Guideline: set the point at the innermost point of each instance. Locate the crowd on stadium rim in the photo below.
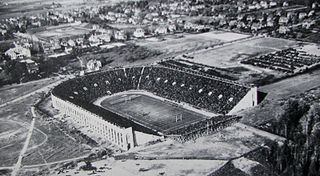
(197, 90)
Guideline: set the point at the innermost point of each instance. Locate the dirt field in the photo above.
(151, 112)
(49, 142)
(226, 144)
(229, 55)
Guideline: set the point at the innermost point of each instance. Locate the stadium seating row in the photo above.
(197, 90)
(287, 60)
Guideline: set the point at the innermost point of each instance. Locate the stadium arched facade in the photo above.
(75, 98)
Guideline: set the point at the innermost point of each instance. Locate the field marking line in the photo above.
(5, 167)
(24, 124)
(25, 147)
(42, 157)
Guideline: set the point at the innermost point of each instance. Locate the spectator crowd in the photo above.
(288, 60)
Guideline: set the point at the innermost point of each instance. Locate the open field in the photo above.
(230, 55)
(10, 92)
(50, 141)
(148, 167)
(189, 42)
(152, 112)
(229, 143)
(64, 30)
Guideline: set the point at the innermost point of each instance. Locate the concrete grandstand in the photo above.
(193, 104)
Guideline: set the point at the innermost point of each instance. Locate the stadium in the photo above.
(134, 105)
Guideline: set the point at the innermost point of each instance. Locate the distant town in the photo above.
(160, 87)
(30, 43)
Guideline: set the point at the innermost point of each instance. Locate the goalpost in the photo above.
(178, 117)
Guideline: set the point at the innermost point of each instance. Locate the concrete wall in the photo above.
(122, 137)
(142, 138)
(249, 100)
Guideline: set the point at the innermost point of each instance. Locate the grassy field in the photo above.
(229, 55)
(151, 112)
(63, 31)
(189, 42)
(10, 92)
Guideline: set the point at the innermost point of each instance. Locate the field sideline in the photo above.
(150, 111)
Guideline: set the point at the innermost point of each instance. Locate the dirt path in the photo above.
(25, 146)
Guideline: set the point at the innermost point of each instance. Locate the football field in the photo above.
(151, 112)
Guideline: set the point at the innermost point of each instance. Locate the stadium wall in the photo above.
(249, 100)
(122, 137)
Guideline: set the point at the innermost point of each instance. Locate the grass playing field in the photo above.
(151, 112)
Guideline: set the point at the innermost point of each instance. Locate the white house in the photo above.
(18, 52)
(139, 33)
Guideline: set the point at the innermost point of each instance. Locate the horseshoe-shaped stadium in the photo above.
(134, 105)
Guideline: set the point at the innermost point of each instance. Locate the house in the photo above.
(302, 15)
(255, 26)
(273, 4)
(93, 65)
(264, 4)
(105, 37)
(18, 52)
(71, 43)
(139, 33)
(120, 35)
(172, 27)
(3, 32)
(283, 29)
(308, 24)
(283, 20)
(285, 4)
(161, 30)
(270, 23)
(94, 40)
(32, 66)
(314, 5)
(233, 23)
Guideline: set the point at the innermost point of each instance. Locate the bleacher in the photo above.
(199, 91)
(288, 60)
